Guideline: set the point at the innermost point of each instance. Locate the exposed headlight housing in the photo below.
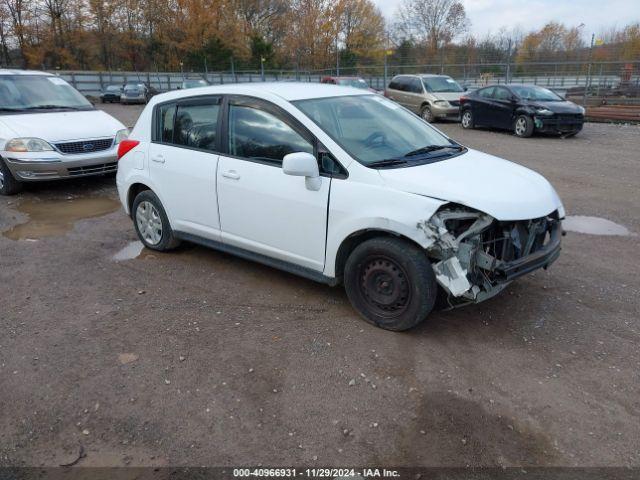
(122, 135)
(441, 102)
(28, 144)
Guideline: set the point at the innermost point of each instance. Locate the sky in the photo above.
(490, 15)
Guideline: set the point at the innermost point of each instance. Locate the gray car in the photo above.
(430, 96)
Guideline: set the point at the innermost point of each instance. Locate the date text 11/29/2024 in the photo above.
(314, 472)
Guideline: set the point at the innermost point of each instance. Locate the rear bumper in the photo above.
(54, 166)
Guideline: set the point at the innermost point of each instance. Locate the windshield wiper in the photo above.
(432, 148)
(51, 107)
(387, 163)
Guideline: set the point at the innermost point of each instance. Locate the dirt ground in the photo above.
(200, 358)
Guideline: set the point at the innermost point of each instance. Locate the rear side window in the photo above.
(189, 124)
(501, 93)
(258, 134)
(196, 126)
(395, 84)
(486, 92)
(166, 115)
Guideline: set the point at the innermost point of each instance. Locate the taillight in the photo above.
(462, 99)
(125, 146)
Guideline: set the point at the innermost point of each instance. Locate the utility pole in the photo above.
(588, 79)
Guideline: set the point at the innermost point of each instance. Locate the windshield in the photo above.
(441, 84)
(113, 88)
(535, 93)
(373, 129)
(30, 92)
(353, 82)
(133, 88)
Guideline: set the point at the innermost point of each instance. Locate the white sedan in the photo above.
(338, 185)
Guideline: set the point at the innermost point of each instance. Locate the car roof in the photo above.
(289, 91)
(10, 71)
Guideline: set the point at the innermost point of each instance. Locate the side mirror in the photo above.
(302, 164)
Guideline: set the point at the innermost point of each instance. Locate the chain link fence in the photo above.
(597, 79)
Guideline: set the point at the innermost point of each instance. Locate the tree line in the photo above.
(198, 35)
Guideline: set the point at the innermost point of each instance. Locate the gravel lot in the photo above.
(200, 358)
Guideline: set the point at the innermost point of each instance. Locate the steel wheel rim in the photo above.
(521, 126)
(466, 119)
(384, 286)
(426, 114)
(1, 179)
(149, 223)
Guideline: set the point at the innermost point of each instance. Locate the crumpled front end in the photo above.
(476, 256)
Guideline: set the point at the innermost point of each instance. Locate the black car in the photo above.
(525, 109)
(111, 94)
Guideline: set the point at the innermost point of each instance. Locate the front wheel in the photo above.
(391, 283)
(523, 126)
(151, 222)
(467, 120)
(426, 114)
(8, 184)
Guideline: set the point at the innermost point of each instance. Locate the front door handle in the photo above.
(157, 159)
(232, 174)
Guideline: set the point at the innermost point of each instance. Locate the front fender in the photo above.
(356, 207)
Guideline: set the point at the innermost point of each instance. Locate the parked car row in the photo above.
(141, 92)
(336, 184)
(523, 109)
(136, 92)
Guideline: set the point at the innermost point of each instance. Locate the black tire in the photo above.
(467, 122)
(523, 126)
(405, 285)
(8, 184)
(167, 240)
(426, 114)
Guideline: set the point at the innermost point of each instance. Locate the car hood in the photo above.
(503, 189)
(63, 126)
(558, 107)
(448, 96)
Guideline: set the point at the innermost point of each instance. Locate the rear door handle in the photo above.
(157, 159)
(232, 174)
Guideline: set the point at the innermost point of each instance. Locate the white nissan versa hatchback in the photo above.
(49, 131)
(338, 185)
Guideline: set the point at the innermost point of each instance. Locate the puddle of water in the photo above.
(593, 226)
(57, 217)
(131, 251)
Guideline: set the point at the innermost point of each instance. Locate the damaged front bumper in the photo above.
(476, 256)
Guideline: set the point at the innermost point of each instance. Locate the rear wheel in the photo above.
(390, 282)
(8, 184)
(523, 126)
(151, 222)
(467, 119)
